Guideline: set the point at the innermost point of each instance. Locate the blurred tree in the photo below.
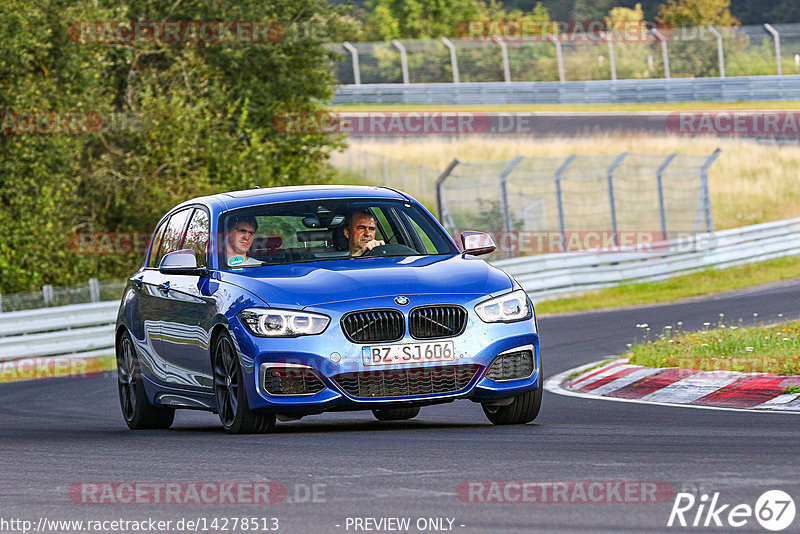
(593, 9)
(697, 56)
(199, 119)
(632, 53)
(422, 19)
(683, 13)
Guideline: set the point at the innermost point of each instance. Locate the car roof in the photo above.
(250, 197)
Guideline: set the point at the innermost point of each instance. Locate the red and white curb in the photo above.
(722, 390)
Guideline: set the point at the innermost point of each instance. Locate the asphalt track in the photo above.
(56, 433)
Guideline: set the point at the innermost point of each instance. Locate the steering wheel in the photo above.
(390, 250)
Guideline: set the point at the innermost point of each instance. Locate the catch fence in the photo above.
(375, 169)
(92, 291)
(652, 53)
(660, 197)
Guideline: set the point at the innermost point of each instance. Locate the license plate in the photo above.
(438, 351)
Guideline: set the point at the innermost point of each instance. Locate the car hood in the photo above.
(318, 283)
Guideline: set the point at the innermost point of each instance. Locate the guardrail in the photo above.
(88, 329)
(557, 275)
(730, 89)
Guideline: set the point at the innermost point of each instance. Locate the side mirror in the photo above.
(181, 262)
(477, 243)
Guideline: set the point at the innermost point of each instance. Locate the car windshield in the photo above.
(318, 230)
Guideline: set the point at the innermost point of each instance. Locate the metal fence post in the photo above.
(47, 294)
(612, 203)
(706, 195)
(559, 56)
(439, 182)
(720, 52)
(612, 61)
(561, 170)
(664, 52)
(661, 208)
(403, 59)
(504, 48)
(453, 59)
(1, 303)
(94, 290)
(504, 191)
(356, 69)
(777, 37)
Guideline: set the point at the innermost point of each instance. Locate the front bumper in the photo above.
(336, 364)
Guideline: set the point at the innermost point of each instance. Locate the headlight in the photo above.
(505, 308)
(270, 322)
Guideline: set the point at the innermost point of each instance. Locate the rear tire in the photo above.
(229, 391)
(139, 414)
(523, 409)
(396, 414)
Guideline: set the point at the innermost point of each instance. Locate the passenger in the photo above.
(359, 230)
(239, 239)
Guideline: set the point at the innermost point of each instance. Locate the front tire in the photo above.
(396, 414)
(523, 409)
(136, 409)
(229, 391)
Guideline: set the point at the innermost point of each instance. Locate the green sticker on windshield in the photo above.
(236, 260)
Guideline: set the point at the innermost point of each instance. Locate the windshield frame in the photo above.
(405, 224)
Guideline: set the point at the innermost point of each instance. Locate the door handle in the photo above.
(138, 282)
(164, 286)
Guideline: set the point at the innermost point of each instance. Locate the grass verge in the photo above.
(725, 348)
(576, 374)
(749, 183)
(679, 287)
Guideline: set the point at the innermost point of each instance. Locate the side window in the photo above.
(174, 234)
(197, 235)
(429, 247)
(153, 256)
(382, 225)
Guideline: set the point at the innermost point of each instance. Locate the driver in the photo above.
(239, 239)
(360, 233)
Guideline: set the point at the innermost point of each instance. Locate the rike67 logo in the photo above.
(774, 510)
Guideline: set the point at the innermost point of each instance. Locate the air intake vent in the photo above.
(431, 322)
(410, 382)
(373, 325)
(511, 366)
(281, 380)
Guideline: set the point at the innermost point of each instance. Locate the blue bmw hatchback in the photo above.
(278, 303)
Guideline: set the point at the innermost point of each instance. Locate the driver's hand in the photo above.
(369, 245)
